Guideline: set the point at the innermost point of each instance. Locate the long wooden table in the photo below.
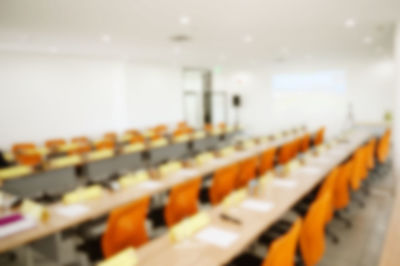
(113, 199)
(196, 252)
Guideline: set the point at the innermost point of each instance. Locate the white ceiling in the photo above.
(141, 29)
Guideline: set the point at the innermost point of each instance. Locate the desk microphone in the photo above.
(231, 219)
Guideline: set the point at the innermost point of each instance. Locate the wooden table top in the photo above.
(113, 199)
(192, 251)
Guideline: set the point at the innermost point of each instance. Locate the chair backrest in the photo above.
(182, 201)
(126, 227)
(328, 186)
(55, 143)
(371, 153)
(341, 195)
(29, 157)
(247, 171)
(305, 143)
(21, 147)
(223, 183)
(355, 170)
(312, 235)
(285, 153)
(105, 144)
(267, 161)
(110, 136)
(383, 148)
(319, 136)
(283, 250)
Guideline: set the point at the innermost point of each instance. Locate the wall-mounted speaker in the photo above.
(237, 100)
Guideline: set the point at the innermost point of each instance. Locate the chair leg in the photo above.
(332, 235)
(347, 221)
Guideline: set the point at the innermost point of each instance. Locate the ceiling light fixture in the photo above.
(350, 23)
(106, 38)
(248, 39)
(184, 20)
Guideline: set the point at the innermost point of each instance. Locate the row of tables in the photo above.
(280, 195)
(110, 200)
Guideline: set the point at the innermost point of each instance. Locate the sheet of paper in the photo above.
(73, 210)
(281, 182)
(186, 173)
(323, 160)
(257, 205)
(16, 227)
(310, 170)
(216, 236)
(149, 185)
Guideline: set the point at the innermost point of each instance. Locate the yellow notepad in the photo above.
(83, 194)
(133, 148)
(15, 171)
(291, 166)
(132, 179)
(227, 151)
(65, 161)
(101, 154)
(204, 157)
(189, 226)
(169, 168)
(126, 257)
(199, 134)
(159, 142)
(182, 138)
(248, 144)
(234, 198)
(34, 210)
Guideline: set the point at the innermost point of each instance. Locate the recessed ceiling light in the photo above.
(350, 23)
(248, 39)
(105, 38)
(367, 40)
(184, 20)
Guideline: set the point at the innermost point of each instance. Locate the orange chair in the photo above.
(305, 143)
(328, 186)
(341, 192)
(29, 158)
(355, 172)
(55, 143)
(110, 136)
(267, 161)
(136, 139)
(80, 149)
(126, 227)
(371, 154)
(20, 147)
(319, 136)
(182, 202)
(208, 128)
(283, 250)
(312, 234)
(285, 153)
(223, 183)
(82, 140)
(295, 147)
(105, 144)
(383, 148)
(247, 171)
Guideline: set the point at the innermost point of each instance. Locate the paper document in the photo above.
(186, 173)
(310, 170)
(73, 210)
(257, 205)
(216, 236)
(280, 182)
(149, 185)
(17, 226)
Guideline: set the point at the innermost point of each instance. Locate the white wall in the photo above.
(369, 86)
(46, 96)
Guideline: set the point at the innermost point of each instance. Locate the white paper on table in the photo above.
(216, 236)
(73, 210)
(287, 183)
(18, 226)
(149, 185)
(310, 170)
(257, 205)
(322, 160)
(186, 173)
